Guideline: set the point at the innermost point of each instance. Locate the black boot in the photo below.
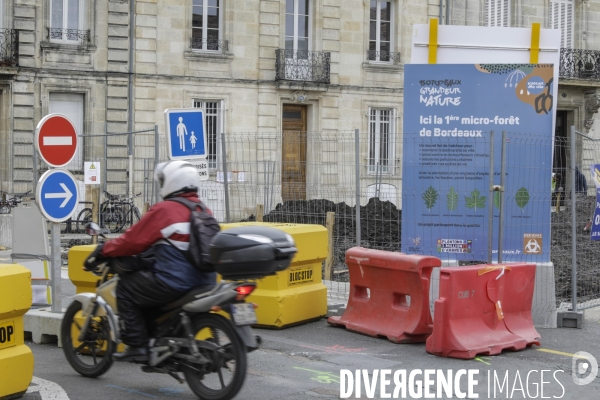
(135, 354)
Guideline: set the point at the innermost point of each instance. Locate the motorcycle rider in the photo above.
(144, 283)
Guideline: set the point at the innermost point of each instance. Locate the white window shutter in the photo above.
(71, 106)
(497, 13)
(562, 13)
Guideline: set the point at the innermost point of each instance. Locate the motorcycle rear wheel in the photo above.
(93, 356)
(224, 378)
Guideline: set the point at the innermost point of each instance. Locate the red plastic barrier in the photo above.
(389, 295)
(483, 309)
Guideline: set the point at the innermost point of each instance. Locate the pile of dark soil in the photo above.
(381, 225)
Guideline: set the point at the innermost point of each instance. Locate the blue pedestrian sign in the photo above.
(56, 195)
(186, 133)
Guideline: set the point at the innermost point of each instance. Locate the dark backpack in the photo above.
(203, 227)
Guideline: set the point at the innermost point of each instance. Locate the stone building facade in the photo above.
(320, 66)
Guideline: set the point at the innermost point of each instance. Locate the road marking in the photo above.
(561, 353)
(58, 141)
(132, 391)
(483, 360)
(321, 376)
(47, 390)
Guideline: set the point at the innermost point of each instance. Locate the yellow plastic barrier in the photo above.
(297, 294)
(16, 359)
(85, 282)
(290, 297)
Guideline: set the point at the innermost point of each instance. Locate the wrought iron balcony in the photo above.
(302, 65)
(73, 35)
(383, 56)
(209, 45)
(579, 64)
(9, 48)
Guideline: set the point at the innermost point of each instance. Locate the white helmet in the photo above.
(176, 177)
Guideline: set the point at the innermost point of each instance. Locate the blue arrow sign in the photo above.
(186, 133)
(57, 195)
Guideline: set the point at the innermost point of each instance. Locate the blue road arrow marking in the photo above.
(66, 195)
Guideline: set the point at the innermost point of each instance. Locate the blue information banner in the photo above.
(595, 231)
(449, 113)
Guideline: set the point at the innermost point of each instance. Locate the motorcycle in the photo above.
(191, 339)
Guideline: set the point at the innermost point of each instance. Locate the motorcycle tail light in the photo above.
(244, 291)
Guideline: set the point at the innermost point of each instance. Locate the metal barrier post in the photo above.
(357, 171)
(491, 202)
(502, 188)
(156, 158)
(573, 223)
(225, 180)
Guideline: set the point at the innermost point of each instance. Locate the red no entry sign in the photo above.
(56, 140)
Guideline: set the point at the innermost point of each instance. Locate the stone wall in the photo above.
(169, 74)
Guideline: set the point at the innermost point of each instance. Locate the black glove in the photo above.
(96, 258)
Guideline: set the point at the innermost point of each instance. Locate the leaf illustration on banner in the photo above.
(430, 197)
(452, 199)
(522, 198)
(497, 200)
(475, 200)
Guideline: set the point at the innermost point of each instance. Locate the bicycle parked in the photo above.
(72, 225)
(115, 213)
(132, 213)
(6, 205)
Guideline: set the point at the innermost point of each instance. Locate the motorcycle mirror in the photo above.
(93, 229)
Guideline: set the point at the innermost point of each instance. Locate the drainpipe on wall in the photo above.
(442, 13)
(130, 94)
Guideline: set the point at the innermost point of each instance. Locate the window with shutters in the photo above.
(213, 114)
(71, 106)
(562, 13)
(380, 31)
(207, 21)
(382, 130)
(67, 21)
(497, 13)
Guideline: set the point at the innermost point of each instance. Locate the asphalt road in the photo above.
(304, 362)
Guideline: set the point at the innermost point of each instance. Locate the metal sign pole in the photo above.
(491, 203)
(56, 267)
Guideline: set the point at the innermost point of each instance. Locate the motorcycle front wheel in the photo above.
(93, 356)
(223, 378)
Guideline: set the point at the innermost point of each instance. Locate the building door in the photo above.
(293, 151)
(561, 146)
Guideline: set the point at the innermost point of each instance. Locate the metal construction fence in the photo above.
(574, 254)
(301, 177)
(304, 177)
